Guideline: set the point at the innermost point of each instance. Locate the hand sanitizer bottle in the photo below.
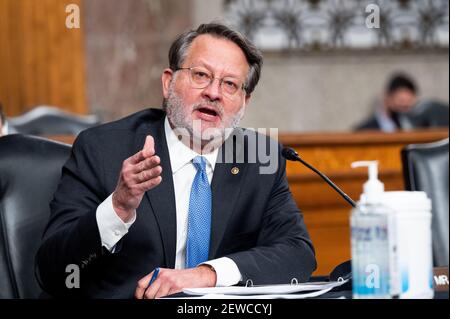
(370, 239)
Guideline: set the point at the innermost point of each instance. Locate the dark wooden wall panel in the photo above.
(41, 61)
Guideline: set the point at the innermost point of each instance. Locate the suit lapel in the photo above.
(162, 197)
(226, 185)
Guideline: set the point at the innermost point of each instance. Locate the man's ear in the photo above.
(166, 79)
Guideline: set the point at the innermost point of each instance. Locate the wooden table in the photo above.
(326, 214)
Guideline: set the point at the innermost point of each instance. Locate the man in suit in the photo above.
(178, 189)
(400, 109)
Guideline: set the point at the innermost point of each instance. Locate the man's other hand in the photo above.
(171, 281)
(140, 173)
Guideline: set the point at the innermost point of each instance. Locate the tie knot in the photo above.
(199, 163)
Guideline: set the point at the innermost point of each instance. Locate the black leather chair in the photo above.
(48, 120)
(30, 168)
(425, 168)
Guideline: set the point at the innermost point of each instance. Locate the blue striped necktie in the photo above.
(199, 216)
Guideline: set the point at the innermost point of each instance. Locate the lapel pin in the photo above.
(235, 171)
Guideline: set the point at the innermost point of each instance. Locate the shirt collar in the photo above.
(386, 123)
(180, 154)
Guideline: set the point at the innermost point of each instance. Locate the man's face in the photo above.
(401, 101)
(209, 107)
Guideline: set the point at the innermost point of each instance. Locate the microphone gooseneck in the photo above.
(291, 155)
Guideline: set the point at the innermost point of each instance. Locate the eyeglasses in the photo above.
(200, 78)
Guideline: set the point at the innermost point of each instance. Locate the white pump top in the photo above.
(373, 188)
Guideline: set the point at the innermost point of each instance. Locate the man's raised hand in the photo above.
(140, 173)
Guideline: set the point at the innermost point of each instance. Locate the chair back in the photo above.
(47, 120)
(425, 168)
(30, 169)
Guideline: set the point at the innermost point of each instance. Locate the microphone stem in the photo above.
(326, 179)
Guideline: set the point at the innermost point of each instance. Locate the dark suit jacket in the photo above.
(427, 114)
(255, 220)
(369, 124)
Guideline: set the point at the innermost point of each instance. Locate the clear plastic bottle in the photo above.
(371, 248)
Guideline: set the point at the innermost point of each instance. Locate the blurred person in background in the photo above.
(3, 124)
(402, 110)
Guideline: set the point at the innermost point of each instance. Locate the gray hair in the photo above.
(179, 49)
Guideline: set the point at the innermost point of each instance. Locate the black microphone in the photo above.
(291, 155)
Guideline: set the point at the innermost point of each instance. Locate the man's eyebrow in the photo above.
(207, 65)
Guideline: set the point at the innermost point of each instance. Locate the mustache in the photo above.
(209, 104)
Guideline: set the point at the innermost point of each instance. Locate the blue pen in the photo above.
(155, 275)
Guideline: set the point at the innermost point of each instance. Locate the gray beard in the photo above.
(175, 110)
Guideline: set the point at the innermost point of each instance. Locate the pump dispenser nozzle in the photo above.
(373, 188)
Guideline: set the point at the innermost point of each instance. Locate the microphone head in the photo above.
(289, 154)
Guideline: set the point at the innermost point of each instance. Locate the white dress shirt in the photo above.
(112, 228)
(385, 122)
